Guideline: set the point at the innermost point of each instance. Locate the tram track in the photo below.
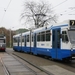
(6, 72)
(35, 69)
(38, 62)
(42, 70)
(65, 65)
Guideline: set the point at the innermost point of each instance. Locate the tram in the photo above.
(55, 41)
(2, 43)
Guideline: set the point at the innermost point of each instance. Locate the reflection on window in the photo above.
(25, 41)
(27, 38)
(19, 40)
(48, 35)
(32, 38)
(2, 40)
(15, 40)
(64, 36)
(38, 37)
(44, 36)
(22, 38)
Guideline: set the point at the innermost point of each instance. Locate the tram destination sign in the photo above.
(72, 24)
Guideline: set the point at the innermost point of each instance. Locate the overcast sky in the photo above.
(10, 11)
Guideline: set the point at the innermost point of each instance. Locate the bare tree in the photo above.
(39, 14)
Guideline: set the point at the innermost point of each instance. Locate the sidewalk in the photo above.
(1, 68)
(15, 67)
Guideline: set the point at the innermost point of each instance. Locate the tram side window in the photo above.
(15, 40)
(32, 38)
(48, 36)
(42, 35)
(27, 38)
(4, 40)
(22, 38)
(19, 39)
(64, 36)
(38, 37)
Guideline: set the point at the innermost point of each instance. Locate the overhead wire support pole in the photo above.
(10, 38)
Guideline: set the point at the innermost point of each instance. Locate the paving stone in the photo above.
(56, 70)
(22, 73)
(15, 67)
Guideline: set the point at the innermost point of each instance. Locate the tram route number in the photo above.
(72, 24)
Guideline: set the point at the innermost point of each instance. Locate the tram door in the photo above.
(55, 43)
(34, 40)
(18, 40)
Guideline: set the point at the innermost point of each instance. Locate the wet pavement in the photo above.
(15, 67)
(56, 70)
(2, 72)
(51, 67)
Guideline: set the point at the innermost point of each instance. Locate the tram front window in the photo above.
(71, 34)
(2, 41)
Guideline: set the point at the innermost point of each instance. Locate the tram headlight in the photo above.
(1, 45)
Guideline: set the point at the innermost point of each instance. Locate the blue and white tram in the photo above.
(26, 42)
(57, 42)
(17, 42)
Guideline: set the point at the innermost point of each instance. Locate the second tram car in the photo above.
(2, 43)
(56, 41)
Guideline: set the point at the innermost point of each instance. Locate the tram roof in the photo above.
(25, 33)
(17, 35)
(51, 27)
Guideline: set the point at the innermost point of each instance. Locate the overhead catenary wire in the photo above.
(59, 4)
(5, 9)
(8, 5)
(66, 11)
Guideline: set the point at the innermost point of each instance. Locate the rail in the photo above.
(5, 68)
